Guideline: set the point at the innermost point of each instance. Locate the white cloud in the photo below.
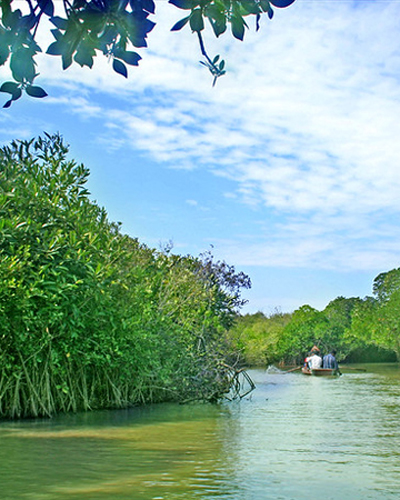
(305, 123)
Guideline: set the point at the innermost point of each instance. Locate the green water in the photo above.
(296, 437)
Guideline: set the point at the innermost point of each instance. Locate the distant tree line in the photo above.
(89, 317)
(365, 329)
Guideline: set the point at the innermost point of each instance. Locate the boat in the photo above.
(320, 372)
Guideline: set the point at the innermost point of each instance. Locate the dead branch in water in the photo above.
(240, 381)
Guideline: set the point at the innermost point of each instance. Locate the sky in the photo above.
(287, 169)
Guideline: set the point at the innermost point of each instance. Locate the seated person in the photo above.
(330, 361)
(315, 360)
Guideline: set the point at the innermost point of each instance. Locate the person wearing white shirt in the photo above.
(315, 360)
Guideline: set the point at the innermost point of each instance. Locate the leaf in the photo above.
(127, 56)
(196, 20)
(4, 52)
(214, 12)
(251, 7)
(55, 48)
(12, 19)
(17, 94)
(282, 3)
(215, 60)
(136, 29)
(149, 6)
(59, 22)
(35, 91)
(183, 4)
(78, 4)
(57, 34)
(84, 55)
(95, 22)
(119, 67)
(29, 21)
(22, 65)
(46, 6)
(180, 24)
(270, 13)
(13, 89)
(219, 26)
(9, 87)
(237, 25)
(109, 35)
(66, 60)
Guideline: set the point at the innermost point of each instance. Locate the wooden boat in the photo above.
(320, 372)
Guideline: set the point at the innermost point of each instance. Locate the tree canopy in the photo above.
(358, 329)
(82, 29)
(89, 317)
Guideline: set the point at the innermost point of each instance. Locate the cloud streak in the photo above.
(305, 125)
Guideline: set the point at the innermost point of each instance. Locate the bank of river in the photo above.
(295, 437)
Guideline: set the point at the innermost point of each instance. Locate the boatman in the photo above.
(330, 361)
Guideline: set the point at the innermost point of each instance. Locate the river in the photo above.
(293, 438)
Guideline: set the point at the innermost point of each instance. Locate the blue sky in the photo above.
(288, 167)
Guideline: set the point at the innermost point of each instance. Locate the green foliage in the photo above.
(389, 323)
(86, 28)
(221, 13)
(385, 284)
(350, 326)
(382, 327)
(376, 321)
(339, 313)
(90, 318)
(358, 329)
(255, 338)
(307, 327)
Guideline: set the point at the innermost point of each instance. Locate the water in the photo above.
(294, 438)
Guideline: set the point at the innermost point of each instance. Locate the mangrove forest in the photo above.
(91, 318)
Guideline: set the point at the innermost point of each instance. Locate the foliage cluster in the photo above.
(89, 317)
(359, 329)
(254, 337)
(115, 28)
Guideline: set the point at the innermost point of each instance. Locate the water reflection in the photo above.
(293, 436)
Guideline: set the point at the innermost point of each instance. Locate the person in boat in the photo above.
(330, 361)
(314, 361)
